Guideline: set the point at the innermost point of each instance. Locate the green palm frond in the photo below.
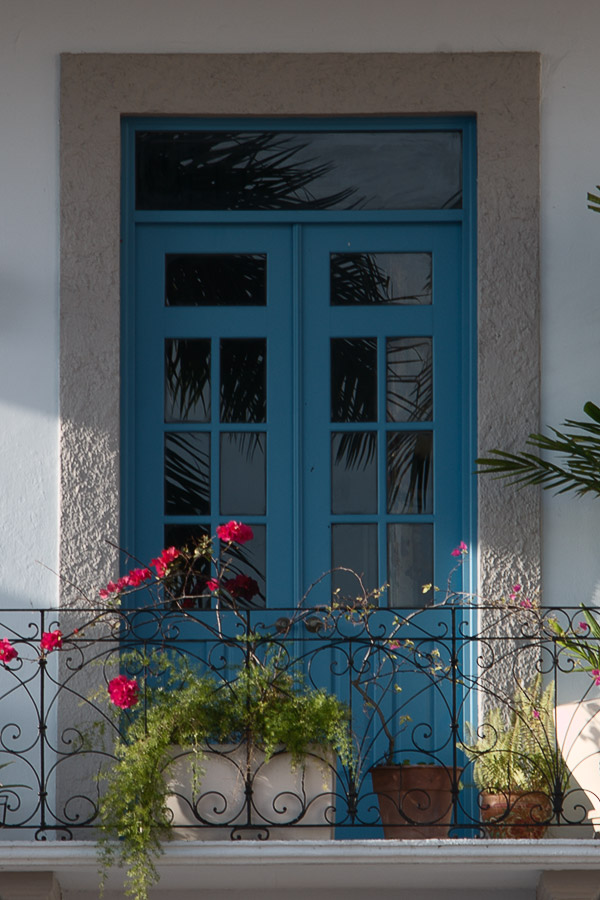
(579, 469)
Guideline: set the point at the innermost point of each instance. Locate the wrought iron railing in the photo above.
(418, 691)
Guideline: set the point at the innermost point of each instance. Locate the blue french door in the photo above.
(308, 380)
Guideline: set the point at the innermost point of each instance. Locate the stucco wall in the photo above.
(31, 38)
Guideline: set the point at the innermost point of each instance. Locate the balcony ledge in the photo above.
(349, 867)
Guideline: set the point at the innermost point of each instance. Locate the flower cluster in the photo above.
(461, 550)
(124, 692)
(162, 562)
(7, 651)
(51, 640)
(235, 532)
(133, 579)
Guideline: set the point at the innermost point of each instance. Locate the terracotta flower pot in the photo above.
(516, 815)
(415, 801)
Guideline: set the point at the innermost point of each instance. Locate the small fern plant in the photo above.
(514, 750)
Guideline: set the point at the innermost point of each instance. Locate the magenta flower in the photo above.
(536, 714)
(124, 692)
(462, 548)
(526, 603)
(596, 676)
(583, 626)
(213, 585)
(162, 562)
(516, 588)
(51, 640)
(394, 645)
(7, 651)
(235, 532)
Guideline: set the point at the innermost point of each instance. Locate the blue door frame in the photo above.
(299, 322)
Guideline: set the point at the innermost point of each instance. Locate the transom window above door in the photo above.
(298, 346)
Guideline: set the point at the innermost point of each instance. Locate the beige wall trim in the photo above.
(576, 885)
(29, 886)
(501, 89)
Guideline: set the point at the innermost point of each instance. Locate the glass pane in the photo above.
(189, 590)
(219, 279)
(249, 560)
(240, 170)
(410, 563)
(243, 380)
(368, 279)
(243, 460)
(409, 390)
(187, 473)
(354, 547)
(409, 464)
(353, 380)
(354, 472)
(187, 380)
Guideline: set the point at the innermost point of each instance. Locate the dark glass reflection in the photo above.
(409, 387)
(189, 591)
(187, 380)
(353, 472)
(187, 473)
(368, 279)
(353, 380)
(354, 547)
(409, 468)
(410, 563)
(243, 380)
(217, 279)
(242, 472)
(239, 170)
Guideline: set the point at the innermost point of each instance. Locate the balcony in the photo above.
(417, 687)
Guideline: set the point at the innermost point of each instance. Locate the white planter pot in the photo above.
(286, 803)
(578, 737)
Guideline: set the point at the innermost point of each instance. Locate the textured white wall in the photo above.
(33, 33)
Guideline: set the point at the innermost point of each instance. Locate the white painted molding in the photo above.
(569, 885)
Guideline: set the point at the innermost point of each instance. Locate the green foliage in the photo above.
(261, 703)
(518, 752)
(579, 646)
(580, 469)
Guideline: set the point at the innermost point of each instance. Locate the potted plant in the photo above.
(578, 722)
(254, 717)
(517, 767)
(416, 798)
(244, 722)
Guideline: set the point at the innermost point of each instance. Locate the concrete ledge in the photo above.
(347, 868)
(575, 885)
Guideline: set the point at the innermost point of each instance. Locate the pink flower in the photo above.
(51, 640)
(213, 585)
(241, 587)
(124, 692)
(536, 714)
(394, 645)
(162, 562)
(526, 603)
(516, 588)
(462, 548)
(7, 651)
(235, 532)
(583, 626)
(596, 676)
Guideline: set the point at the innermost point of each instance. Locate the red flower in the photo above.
(51, 640)
(124, 692)
(241, 587)
(7, 651)
(137, 576)
(213, 585)
(162, 562)
(235, 532)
